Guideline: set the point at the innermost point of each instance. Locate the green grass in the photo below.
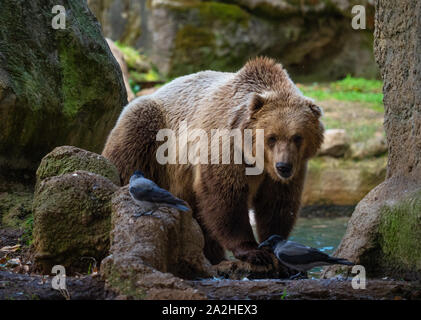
(349, 89)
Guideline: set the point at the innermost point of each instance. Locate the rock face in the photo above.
(56, 86)
(67, 159)
(148, 255)
(384, 233)
(72, 215)
(185, 36)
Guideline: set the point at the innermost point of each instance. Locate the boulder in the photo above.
(150, 255)
(119, 56)
(56, 86)
(72, 214)
(67, 159)
(384, 232)
(335, 143)
(373, 147)
(342, 182)
(309, 37)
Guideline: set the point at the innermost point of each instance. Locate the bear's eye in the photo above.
(297, 139)
(271, 140)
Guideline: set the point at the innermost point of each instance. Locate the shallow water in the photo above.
(324, 234)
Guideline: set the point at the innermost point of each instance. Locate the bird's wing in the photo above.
(159, 195)
(140, 192)
(296, 253)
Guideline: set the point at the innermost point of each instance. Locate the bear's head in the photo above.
(293, 132)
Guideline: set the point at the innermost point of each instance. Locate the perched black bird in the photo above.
(151, 197)
(300, 257)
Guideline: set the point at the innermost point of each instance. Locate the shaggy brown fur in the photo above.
(259, 96)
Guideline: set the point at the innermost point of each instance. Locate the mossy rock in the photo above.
(72, 215)
(384, 232)
(57, 87)
(67, 159)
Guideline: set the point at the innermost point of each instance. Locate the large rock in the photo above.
(374, 147)
(56, 86)
(384, 233)
(342, 182)
(184, 36)
(150, 255)
(335, 143)
(72, 214)
(67, 159)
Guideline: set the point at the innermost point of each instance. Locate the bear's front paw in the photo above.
(254, 256)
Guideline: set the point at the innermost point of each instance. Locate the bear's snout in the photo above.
(284, 169)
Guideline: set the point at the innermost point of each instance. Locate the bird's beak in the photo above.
(264, 244)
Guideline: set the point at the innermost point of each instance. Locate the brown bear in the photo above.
(259, 96)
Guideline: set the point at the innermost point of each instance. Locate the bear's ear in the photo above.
(317, 111)
(256, 102)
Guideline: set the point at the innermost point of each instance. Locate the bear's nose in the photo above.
(284, 169)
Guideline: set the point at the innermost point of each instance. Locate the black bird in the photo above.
(300, 257)
(146, 193)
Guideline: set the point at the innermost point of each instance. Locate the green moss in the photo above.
(15, 208)
(210, 12)
(193, 44)
(123, 283)
(400, 233)
(224, 12)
